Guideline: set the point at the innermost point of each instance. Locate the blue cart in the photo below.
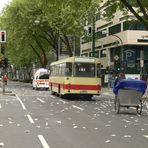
(128, 93)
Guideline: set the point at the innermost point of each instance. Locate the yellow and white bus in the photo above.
(76, 76)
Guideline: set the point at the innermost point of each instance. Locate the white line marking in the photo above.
(64, 102)
(35, 95)
(43, 141)
(2, 144)
(74, 106)
(0, 106)
(52, 96)
(146, 104)
(30, 119)
(146, 136)
(42, 101)
(23, 106)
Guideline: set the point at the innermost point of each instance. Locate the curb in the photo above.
(9, 93)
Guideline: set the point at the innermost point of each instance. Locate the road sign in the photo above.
(116, 57)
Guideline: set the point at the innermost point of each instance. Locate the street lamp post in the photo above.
(93, 37)
(122, 49)
(122, 54)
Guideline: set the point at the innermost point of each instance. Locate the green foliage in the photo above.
(33, 27)
(139, 8)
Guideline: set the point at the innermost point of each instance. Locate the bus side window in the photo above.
(52, 71)
(68, 69)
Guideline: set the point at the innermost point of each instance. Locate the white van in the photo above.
(41, 79)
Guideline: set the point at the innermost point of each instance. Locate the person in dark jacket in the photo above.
(120, 77)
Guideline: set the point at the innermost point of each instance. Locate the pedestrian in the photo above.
(119, 77)
(5, 78)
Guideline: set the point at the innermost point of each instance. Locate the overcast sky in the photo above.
(3, 3)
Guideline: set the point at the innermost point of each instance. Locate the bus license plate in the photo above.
(83, 91)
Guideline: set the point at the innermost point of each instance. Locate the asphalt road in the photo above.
(37, 119)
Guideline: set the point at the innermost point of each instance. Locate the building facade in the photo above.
(121, 45)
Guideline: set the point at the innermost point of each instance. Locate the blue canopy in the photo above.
(138, 85)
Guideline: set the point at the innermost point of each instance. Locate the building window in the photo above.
(130, 25)
(115, 29)
(99, 34)
(94, 54)
(84, 54)
(103, 53)
(86, 39)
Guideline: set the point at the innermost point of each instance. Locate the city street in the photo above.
(37, 119)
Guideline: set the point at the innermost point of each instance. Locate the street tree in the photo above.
(34, 27)
(24, 32)
(65, 18)
(139, 8)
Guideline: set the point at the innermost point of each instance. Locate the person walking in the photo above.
(5, 79)
(119, 77)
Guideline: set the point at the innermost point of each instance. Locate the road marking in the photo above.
(43, 141)
(64, 102)
(74, 106)
(1, 144)
(34, 95)
(146, 136)
(146, 104)
(0, 106)
(52, 96)
(42, 101)
(22, 104)
(30, 119)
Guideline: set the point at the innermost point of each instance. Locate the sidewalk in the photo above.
(107, 92)
(7, 90)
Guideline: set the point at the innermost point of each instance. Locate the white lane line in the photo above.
(42, 101)
(52, 96)
(22, 104)
(64, 102)
(146, 136)
(0, 106)
(74, 106)
(43, 141)
(30, 119)
(146, 104)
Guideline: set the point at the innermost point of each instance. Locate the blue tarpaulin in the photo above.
(138, 85)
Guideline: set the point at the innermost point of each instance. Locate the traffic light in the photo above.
(89, 31)
(117, 66)
(2, 36)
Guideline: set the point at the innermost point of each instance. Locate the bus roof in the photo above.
(77, 59)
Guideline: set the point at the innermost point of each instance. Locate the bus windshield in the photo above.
(84, 70)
